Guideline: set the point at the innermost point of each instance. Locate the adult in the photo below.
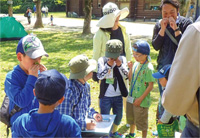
(168, 32)
(34, 10)
(110, 28)
(46, 11)
(43, 11)
(180, 96)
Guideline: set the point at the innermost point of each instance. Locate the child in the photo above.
(139, 100)
(162, 75)
(163, 116)
(111, 70)
(45, 121)
(19, 82)
(29, 15)
(77, 96)
(51, 19)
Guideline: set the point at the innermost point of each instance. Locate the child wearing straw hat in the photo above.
(77, 96)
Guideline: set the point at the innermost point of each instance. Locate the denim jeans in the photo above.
(190, 130)
(116, 103)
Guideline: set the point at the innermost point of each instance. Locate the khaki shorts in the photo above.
(137, 116)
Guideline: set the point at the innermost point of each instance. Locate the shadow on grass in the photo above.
(123, 129)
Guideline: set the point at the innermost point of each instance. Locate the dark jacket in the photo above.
(166, 47)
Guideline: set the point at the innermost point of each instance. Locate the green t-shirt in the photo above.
(142, 82)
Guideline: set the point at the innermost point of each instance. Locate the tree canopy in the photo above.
(20, 6)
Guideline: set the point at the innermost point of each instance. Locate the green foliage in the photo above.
(17, 8)
(20, 6)
(4, 6)
(61, 47)
(60, 2)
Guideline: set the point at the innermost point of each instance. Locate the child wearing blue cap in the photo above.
(19, 82)
(45, 121)
(163, 116)
(138, 101)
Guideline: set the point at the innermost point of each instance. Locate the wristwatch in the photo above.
(178, 29)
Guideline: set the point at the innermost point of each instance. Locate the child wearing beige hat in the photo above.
(77, 96)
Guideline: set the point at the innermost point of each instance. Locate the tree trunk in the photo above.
(67, 7)
(38, 23)
(10, 10)
(87, 18)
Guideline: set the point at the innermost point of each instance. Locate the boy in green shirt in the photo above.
(138, 101)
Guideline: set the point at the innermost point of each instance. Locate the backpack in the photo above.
(4, 112)
(25, 14)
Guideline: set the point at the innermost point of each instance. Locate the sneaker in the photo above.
(130, 136)
(155, 133)
(116, 135)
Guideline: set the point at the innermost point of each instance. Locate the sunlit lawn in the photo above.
(61, 47)
(55, 14)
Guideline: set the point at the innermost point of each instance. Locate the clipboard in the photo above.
(103, 127)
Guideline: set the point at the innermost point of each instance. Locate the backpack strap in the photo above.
(13, 111)
(171, 36)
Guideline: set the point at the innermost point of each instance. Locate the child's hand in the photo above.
(137, 102)
(111, 61)
(34, 70)
(118, 62)
(90, 126)
(130, 64)
(97, 117)
(160, 122)
(42, 68)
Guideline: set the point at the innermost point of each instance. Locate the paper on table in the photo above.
(103, 127)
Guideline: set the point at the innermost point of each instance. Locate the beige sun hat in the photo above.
(80, 66)
(110, 13)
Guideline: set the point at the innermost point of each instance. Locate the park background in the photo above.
(63, 43)
(61, 46)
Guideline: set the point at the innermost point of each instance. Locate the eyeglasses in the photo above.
(137, 55)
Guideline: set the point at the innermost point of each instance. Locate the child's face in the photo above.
(163, 82)
(26, 62)
(139, 57)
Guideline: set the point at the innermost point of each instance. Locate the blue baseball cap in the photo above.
(163, 72)
(142, 47)
(50, 87)
(31, 46)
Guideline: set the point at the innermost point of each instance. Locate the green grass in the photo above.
(55, 14)
(61, 47)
